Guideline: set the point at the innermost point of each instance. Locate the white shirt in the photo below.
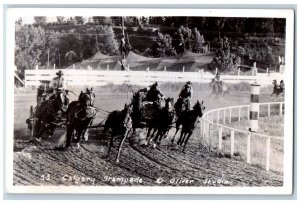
(58, 83)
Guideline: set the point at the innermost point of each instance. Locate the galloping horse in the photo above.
(120, 124)
(278, 89)
(218, 88)
(161, 122)
(188, 121)
(80, 115)
(180, 106)
(48, 111)
(137, 110)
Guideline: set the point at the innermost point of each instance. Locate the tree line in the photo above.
(69, 40)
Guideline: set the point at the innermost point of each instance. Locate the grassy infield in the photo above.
(271, 126)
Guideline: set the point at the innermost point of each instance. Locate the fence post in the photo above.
(269, 110)
(280, 109)
(202, 74)
(230, 109)
(165, 69)
(218, 117)
(220, 137)
(107, 67)
(183, 69)
(53, 66)
(204, 131)
(248, 113)
(254, 107)
(231, 143)
(202, 128)
(268, 154)
(224, 116)
(216, 70)
(239, 114)
(249, 148)
(239, 70)
(73, 66)
(147, 69)
(207, 132)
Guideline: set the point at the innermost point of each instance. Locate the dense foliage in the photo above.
(70, 39)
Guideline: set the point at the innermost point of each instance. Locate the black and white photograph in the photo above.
(150, 101)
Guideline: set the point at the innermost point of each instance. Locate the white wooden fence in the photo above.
(216, 120)
(103, 77)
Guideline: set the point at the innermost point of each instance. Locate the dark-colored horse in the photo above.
(161, 122)
(47, 113)
(278, 89)
(137, 110)
(180, 106)
(188, 120)
(120, 124)
(218, 88)
(80, 115)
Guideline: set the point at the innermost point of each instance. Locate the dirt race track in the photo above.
(41, 164)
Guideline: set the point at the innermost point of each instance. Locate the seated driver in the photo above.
(153, 94)
(58, 82)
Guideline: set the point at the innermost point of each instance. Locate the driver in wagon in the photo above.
(58, 85)
(153, 94)
(58, 82)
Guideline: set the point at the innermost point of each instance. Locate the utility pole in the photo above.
(97, 45)
(123, 39)
(123, 26)
(48, 57)
(58, 58)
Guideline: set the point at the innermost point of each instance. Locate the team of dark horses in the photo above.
(81, 113)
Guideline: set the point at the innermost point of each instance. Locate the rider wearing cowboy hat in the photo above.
(186, 93)
(153, 94)
(58, 82)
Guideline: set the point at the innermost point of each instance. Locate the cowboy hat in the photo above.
(59, 73)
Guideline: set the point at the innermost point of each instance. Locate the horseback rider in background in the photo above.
(153, 94)
(218, 80)
(186, 94)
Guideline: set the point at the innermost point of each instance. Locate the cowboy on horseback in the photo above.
(186, 94)
(153, 94)
(218, 80)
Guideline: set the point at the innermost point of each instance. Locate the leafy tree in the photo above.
(40, 20)
(101, 38)
(198, 43)
(30, 43)
(79, 20)
(60, 19)
(163, 46)
(185, 36)
(51, 46)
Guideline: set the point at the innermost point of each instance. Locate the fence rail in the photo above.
(212, 119)
(103, 77)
